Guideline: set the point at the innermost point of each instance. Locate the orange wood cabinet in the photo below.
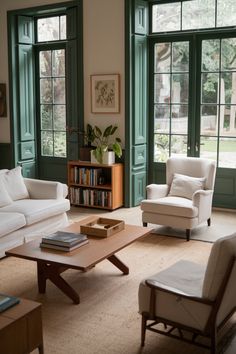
(95, 185)
(21, 328)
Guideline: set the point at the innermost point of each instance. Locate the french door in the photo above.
(193, 106)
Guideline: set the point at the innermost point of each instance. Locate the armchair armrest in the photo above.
(39, 189)
(202, 199)
(155, 285)
(155, 191)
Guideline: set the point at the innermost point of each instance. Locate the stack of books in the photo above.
(64, 241)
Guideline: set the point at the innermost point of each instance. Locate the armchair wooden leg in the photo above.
(144, 224)
(188, 234)
(214, 341)
(209, 222)
(143, 330)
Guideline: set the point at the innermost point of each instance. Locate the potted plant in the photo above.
(105, 150)
(88, 137)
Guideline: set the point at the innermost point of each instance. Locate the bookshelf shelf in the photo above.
(95, 185)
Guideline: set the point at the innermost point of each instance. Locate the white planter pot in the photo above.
(108, 158)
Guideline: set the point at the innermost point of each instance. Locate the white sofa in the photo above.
(29, 208)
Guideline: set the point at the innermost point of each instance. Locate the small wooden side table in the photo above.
(21, 328)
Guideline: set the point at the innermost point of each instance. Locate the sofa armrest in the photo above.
(39, 189)
(202, 199)
(155, 191)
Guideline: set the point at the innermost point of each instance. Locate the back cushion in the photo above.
(222, 251)
(15, 185)
(5, 199)
(185, 186)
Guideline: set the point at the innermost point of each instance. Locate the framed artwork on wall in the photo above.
(105, 93)
(3, 101)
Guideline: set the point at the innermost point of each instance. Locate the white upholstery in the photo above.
(5, 199)
(170, 204)
(39, 189)
(186, 291)
(185, 186)
(29, 207)
(187, 277)
(10, 222)
(14, 184)
(35, 210)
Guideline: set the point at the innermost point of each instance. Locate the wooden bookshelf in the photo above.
(95, 185)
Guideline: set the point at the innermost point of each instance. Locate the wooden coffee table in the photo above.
(51, 263)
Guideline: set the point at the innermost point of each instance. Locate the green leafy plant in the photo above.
(102, 141)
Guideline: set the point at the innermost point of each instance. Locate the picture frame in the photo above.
(105, 93)
(3, 101)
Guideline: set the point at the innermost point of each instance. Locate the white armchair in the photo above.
(185, 201)
(192, 298)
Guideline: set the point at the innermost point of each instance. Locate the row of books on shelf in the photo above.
(91, 197)
(64, 241)
(86, 176)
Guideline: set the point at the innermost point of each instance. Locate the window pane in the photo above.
(48, 29)
(179, 145)
(58, 62)
(162, 88)
(198, 14)
(179, 121)
(161, 147)
(211, 55)
(45, 91)
(63, 27)
(59, 144)
(46, 143)
(209, 122)
(166, 17)
(228, 88)
(162, 57)
(228, 120)
(208, 148)
(179, 92)
(45, 67)
(228, 53)
(59, 115)
(210, 85)
(46, 117)
(162, 118)
(59, 91)
(227, 153)
(226, 13)
(180, 56)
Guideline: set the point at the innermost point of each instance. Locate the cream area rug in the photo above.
(223, 223)
(107, 319)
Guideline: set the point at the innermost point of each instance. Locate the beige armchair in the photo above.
(186, 199)
(192, 298)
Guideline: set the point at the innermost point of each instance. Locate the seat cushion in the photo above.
(170, 206)
(187, 278)
(11, 222)
(37, 210)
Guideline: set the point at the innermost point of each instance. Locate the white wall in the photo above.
(103, 53)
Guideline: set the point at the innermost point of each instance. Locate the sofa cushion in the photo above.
(170, 206)
(15, 185)
(11, 222)
(5, 199)
(185, 186)
(36, 210)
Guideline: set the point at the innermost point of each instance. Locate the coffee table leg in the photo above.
(120, 265)
(52, 272)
